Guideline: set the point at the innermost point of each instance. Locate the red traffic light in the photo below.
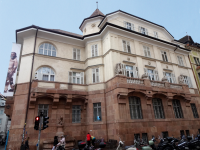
(37, 118)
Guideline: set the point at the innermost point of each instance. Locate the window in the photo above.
(76, 54)
(143, 30)
(137, 137)
(164, 134)
(153, 74)
(45, 73)
(199, 75)
(95, 75)
(155, 34)
(76, 113)
(177, 109)
(147, 52)
(129, 26)
(158, 108)
(180, 61)
(47, 49)
(135, 108)
(132, 71)
(170, 77)
(187, 132)
(1, 112)
(194, 110)
(97, 111)
(0, 120)
(94, 50)
(145, 138)
(44, 109)
(197, 61)
(182, 133)
(187, 81)
(164, 56)
(126, 46)
(76, 77)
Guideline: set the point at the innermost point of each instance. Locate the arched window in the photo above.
(47, 49)
(45, 73)
(135, 108)
(177, 108)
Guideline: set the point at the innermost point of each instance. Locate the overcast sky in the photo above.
(177, 16)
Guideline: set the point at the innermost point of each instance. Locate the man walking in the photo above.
(88, 139)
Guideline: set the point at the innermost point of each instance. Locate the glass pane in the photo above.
(45, 77)
(78, 80)
(74, 80)
(54, 53)
(49, 52)
(40, 51)
(45, 52)
(52, 78)
(49, 48)
(46, 46)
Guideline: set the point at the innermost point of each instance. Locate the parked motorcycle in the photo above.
(131, 147)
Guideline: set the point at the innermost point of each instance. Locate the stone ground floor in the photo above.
(140, 108)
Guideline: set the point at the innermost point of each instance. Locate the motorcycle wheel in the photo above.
(167, 148)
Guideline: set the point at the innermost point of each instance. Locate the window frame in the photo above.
(43, 49)
(147, 51)
(43, 109)
(197, 62)
(187, 81)
(194, 110)
(77, 115)
(180, 60)
(71, 78)
(97, 76)
(76, 53)
(171, 78)
(134, 71)
(128, 25)
(96, 52)
(164, 56)
(154, 74)
(39, 74)
(127, 44)
(177, 108)
(97, 112)
(1, 112)
(135, 108)
(160, 113)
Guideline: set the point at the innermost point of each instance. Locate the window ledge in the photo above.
(150, 66)
(129, 62)
(168, 70)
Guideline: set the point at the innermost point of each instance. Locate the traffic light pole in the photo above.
(40, 126)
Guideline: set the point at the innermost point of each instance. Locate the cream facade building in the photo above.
(123, 73)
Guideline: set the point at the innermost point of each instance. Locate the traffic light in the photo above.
(45, 121)
(37, 122)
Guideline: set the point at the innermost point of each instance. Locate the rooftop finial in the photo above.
(97, 4)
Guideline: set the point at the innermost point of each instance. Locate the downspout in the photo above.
(106, 115)
(30, 84)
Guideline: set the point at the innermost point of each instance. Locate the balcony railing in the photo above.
(135, 81)
(175, 86)
(157, 83)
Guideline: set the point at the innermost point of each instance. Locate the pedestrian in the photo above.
(93, 140)
(55, 142)
(62, 142)
(26, 144)
(88, 139)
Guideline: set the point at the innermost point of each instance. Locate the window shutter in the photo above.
(145, 51)
(78, 54)
(82, 77)
(128, 47)
(124, 45)
(123, 69)
(148, 52)
(189, 82)
(132, 27)
(135, 72)
(146, 71)
(70, 77)
(92, 50)
(146, 31)
(74, 53)
(124, 24)
(96, 50)
(173, 78)
(156, 75)
(97, 75)
(93, 75)
(139, 29)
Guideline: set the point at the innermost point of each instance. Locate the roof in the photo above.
(97, 33)
(186, 39)
(96, 13)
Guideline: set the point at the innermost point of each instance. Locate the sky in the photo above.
(177, 16)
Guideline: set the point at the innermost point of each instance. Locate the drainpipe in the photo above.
(176, 48)
(30, 84)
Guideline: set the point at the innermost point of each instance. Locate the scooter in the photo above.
(131, 147)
